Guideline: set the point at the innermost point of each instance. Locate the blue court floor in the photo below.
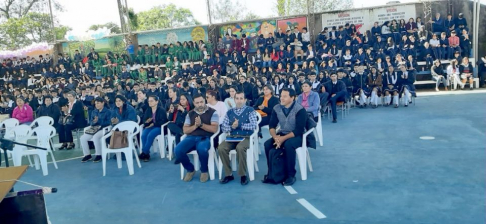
(373, 168)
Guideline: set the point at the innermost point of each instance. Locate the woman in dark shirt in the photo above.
(177, 116)
(75, 110)
(153, 119)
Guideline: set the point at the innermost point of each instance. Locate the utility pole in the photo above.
(476, 19)
(208, 6)
(54, 56)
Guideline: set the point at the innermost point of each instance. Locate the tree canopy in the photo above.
(298, 7)
(114, 28)
(164, 16)
(27, 21)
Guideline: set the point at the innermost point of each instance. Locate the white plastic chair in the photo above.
(211, 159)
(170, 144)
(9, 125)
(160, 139)
(44, 135)
(256, 140)
(42, 121)
(130, 151)
(318, 129)
(303, 156)
(251, 161)
(22, 133)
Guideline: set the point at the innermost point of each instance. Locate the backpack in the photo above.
(277, 169)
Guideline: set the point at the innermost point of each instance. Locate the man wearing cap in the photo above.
(231, 68)
(461, 23)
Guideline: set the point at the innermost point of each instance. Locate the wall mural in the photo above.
(114, 44)
(290, 24)
(251, 29)
(172, 36)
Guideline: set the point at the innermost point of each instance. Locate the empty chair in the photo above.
(22, 133)
(8, 125)
(44, 135)
(303, 156)
(42, 121)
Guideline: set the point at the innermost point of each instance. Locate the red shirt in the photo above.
(454, 41)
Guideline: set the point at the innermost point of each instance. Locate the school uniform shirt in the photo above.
(221, 110)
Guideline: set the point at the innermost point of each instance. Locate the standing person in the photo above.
(73, 118)
(291, 117)
(155, 116)
(200, 124)
(240, 121)
(23, 112)
(99, 117)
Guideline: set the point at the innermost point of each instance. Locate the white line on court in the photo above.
(68, 159)
(290, 189)
(311, 208)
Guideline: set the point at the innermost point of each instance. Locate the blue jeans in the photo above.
(201, 144)
(148, 137)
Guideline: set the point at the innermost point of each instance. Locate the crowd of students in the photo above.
(160, 84)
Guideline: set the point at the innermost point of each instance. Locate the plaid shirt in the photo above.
(226, 126)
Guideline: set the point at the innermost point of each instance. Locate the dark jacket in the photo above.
(78, 115)
(180, 117)
(127, 114)
(104, 117)
(160, 117)
(271, 103)
(51, 111)
(339, 87)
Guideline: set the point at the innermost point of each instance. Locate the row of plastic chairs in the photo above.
(41, 130)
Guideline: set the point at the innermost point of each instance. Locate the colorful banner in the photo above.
(365, 18)
(34, 50)
(290, 24)
(114, 44)
(251, 29)
(194, 34)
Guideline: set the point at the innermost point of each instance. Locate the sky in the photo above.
(81, 14)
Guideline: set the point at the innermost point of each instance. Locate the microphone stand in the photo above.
(6, 144)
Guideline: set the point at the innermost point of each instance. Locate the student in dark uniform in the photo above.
(390, 83)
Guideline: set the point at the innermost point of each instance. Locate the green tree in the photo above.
(114, 28)
(251, 16)
(20, 8)
(298, 7)
(34, 27)
(24, 22)
(224, 11)
(165, 16)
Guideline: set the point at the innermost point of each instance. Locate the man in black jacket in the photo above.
(337, 93)
(245, 87)
(49, 109)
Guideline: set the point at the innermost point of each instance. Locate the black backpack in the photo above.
(277, 170)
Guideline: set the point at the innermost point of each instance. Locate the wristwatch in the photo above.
(200, 125)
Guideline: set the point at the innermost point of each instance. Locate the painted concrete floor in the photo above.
(373, 168)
